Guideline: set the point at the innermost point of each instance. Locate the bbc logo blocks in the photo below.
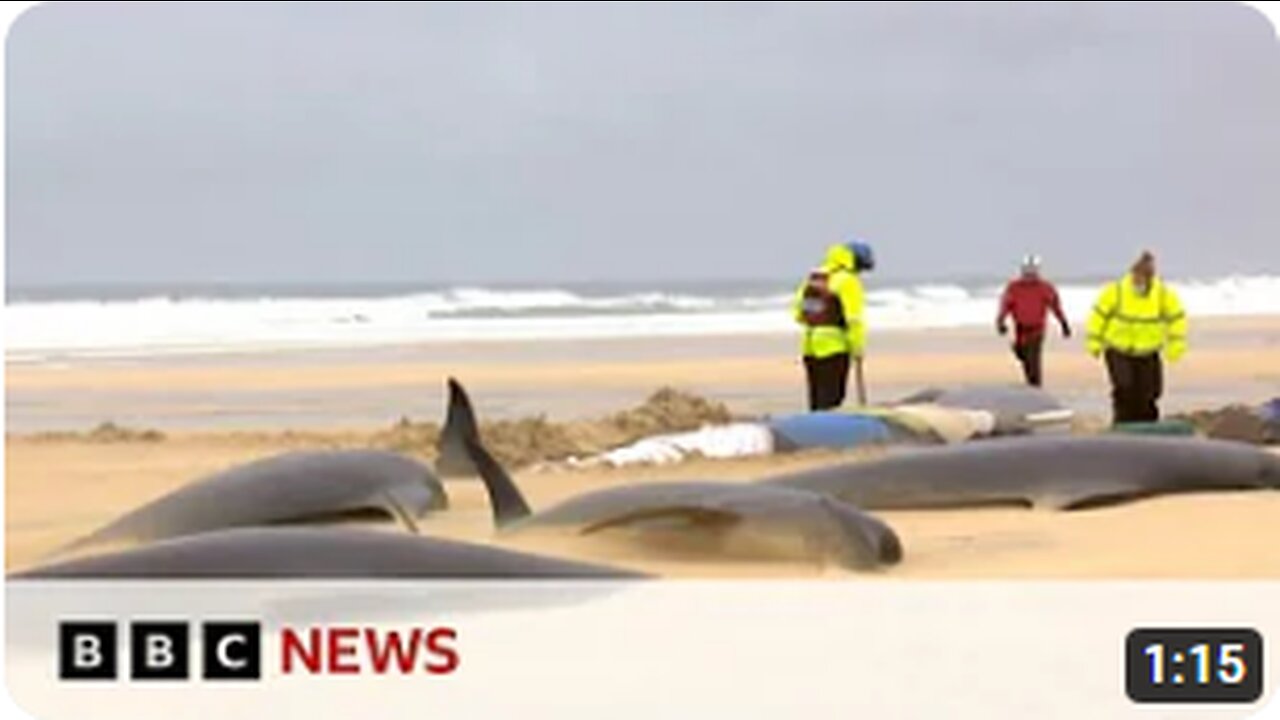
(87, 651)
(159, 650)
(232, 651)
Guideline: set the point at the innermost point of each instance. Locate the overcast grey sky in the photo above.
(193, 142)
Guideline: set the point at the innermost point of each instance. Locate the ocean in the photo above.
(46, 324)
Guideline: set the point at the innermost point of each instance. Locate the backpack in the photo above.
(820, 306)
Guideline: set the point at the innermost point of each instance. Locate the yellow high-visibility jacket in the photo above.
(826, 340)
(1137, 324)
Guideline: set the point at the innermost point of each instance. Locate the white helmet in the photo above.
(1031, 263)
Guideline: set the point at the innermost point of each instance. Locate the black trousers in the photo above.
(828, 380)
(1137, 382)
(1029, 353)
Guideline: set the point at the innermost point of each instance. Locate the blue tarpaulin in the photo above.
(827, 430)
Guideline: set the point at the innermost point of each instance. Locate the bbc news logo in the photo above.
(232, 650)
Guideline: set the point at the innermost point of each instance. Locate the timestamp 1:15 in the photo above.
(1231, 668)
(1194, 665)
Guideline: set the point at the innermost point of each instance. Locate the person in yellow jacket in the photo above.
(1137, 322)
(828, 305)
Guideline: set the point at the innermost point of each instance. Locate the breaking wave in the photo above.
(48, 329)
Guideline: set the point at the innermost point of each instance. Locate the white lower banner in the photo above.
(822, 649)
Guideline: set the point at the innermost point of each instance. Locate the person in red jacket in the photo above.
(1028, 299)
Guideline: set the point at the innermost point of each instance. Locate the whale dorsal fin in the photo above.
(452, 458)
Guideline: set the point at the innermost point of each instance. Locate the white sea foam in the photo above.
(43, 330)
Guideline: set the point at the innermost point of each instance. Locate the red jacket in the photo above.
(1028, 301)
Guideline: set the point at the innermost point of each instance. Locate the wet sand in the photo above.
(1231, 360)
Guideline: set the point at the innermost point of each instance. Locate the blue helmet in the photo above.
(863, 257)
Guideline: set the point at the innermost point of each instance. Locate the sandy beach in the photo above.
(58, 490)
(209, 413)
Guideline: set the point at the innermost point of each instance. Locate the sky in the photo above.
(470, 143)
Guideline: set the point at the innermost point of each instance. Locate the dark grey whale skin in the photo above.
(316, 553)
(827, 526)
(293, 487)
(1057, 472)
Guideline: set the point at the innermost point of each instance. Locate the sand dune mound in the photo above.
(104, 432)
(524, 441)
(668, 410)
(533, 440)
